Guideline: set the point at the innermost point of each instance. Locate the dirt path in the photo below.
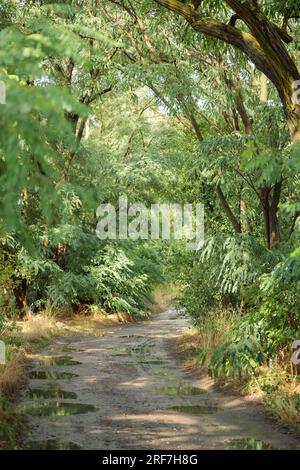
(125, 386)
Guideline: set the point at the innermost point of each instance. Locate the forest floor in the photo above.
(129, 389)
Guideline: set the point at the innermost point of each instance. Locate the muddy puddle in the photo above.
(131, 336)
(50, 392)
(58, 409)
(51, 375)
(180, 390)
(58, 361)
(152, 361)
(196, 409)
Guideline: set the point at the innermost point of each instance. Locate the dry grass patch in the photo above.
(94, 324)
(20, 339)
(164, 298)
(285, 406)
(13, 375)
(37, 328)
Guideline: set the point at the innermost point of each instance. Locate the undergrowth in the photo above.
(237, 361)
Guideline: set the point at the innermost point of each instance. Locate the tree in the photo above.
(261, 39)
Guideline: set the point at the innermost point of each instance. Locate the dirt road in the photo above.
(126, 390)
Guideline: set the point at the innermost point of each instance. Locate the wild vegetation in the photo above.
(165, 101)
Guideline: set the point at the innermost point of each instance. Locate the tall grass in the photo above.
(275, 384)
(200, 341)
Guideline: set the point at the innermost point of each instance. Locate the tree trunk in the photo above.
(20, 293)
(271, 223)
(233, 219)
(273, 218)
(264, 199)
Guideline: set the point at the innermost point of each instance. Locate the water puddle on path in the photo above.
(51, 375)
(58, 409)
(68, 349)
(248, 443)
(181, 390)
(120, 352)
(152, 361)
(51, 392)
(139, 352)
(165, 374)
(52, 444)
(131, 336)
(196, 409)
(58, 361)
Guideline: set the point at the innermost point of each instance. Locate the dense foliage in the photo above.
(111, 97)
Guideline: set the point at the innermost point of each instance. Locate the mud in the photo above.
(138, 397)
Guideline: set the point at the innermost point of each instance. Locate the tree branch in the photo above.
(236, 224)
(263, 45)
